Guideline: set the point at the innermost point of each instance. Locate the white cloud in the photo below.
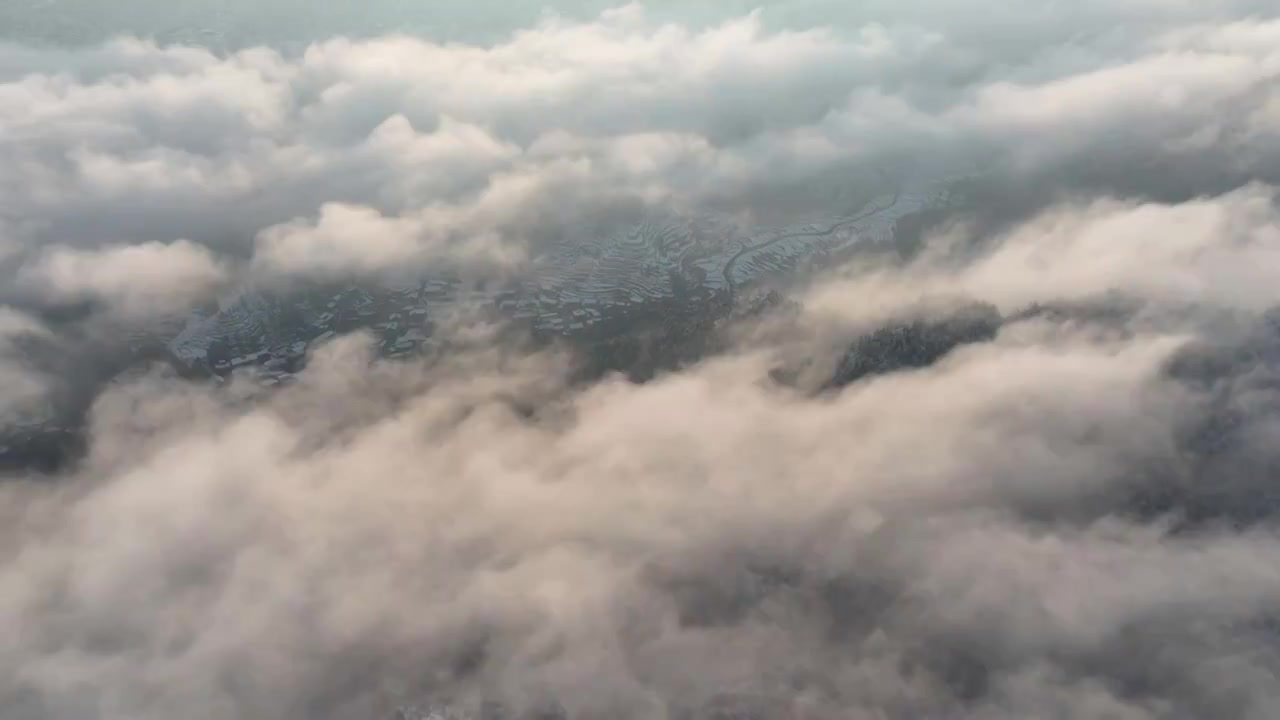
(641, 546)
(178, 142)
(1208, 252)
(1074, 516)
(344, 240)
(26, 388)
(149, 279)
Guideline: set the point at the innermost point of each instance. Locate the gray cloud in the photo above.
(26, 386)
(509, 143)
(135, 280)
(969, 537)
(1069, 514)
(952, 538)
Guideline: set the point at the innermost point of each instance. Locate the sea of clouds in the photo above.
(1076, 518)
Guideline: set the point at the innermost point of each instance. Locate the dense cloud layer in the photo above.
(1004, 533)
(502, 148)
(1026, 469)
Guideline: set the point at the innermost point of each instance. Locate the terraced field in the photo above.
(574, 288)
(697, 258)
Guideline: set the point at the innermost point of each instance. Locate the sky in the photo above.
(1073, 516)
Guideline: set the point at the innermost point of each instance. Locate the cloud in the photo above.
(136, 140)
(145, 280)
(344, 239)
(1070, 513)
(969, 537)
(1209, 252)
(26, 388)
